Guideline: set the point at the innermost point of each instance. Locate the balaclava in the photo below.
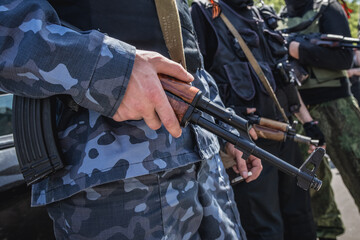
(239, 4)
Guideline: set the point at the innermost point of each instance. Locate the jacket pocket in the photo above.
(324, 75)
(239, 76)
(268, 74)
(276, 43)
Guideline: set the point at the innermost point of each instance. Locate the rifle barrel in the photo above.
(249, 147)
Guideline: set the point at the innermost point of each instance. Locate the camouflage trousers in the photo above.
(339, 120)
(191, 202)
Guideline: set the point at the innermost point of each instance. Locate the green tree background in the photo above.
(352, 4)
(353, 20)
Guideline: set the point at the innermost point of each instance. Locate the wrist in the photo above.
(294, 49)
(309, 124)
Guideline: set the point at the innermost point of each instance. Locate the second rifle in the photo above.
(188, 103)
(278, 131)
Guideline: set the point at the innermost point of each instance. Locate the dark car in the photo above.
(17, 219)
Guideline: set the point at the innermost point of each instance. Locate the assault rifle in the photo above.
(188, 103)
(278, 131)
(324, 40)
(39, 156)
(332, 40)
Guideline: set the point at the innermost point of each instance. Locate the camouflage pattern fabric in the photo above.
(339, 121)
(39, 58)
(192, 202)
(326, 213)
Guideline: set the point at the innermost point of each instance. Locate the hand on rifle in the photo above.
(312, 130)
(243, 167)
(252, 131)
(145, 97)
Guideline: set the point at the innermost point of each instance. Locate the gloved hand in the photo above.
(312, 130)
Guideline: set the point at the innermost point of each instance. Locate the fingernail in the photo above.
(179, 135)
(190, 77)
(244, 174)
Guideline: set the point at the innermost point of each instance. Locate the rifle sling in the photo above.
(255, 65)
(170, 26)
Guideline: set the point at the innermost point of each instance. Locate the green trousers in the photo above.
(339, 120)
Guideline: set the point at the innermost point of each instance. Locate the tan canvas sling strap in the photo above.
(255, 65)
(170, 26)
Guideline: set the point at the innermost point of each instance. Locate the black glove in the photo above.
(312, 130)
(240, 110)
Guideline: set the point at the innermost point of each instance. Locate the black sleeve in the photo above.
(205, 34)
(333, 21)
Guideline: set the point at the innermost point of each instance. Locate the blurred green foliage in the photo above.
(352, 4)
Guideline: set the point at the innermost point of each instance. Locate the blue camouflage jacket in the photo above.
(39, 58)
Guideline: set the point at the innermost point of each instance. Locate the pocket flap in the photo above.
(240, 79)
(268, 74)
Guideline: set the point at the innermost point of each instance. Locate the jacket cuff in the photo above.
(110, 77)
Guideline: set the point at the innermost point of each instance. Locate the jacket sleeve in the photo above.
(39, 58)
(333, 21)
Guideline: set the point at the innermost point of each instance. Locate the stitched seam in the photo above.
(161, 206)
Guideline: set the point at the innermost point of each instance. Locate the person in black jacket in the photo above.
(328, 96)
(272, 207)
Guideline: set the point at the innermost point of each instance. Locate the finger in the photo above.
(152, 120)
(253, 134)
(123, 113)
(255, 168)
(231, 152)
(230, 149)
(311, 148)
(235, 168)
(171, 68)
(250, 110)
(168, 118)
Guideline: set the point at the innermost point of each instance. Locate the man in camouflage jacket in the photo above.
(131, 171)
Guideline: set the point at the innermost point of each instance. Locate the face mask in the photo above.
(297, 8)
(239, 4)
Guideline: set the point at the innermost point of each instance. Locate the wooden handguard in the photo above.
(179, 107)
(268, 133)
(179, 88)
(274, 124)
